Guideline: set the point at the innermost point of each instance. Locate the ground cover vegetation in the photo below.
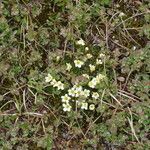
(74, 74)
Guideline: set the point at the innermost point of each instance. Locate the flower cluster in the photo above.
(54, 83)
(78, 94)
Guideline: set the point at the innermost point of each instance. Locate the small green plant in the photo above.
(88, 79)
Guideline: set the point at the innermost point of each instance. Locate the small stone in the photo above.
(121, 79)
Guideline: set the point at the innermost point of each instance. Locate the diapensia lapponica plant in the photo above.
(88, 69)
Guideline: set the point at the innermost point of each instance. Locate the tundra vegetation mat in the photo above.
(74, 74)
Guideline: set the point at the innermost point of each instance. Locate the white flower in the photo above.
(66, 107)
(78, 63)
(86, 76)
(99, 61)
(78, 88)
(71, 92)
(86, 93)
(121, 14)
(92, 107)
(53, 82)
(92, 68)
(65, 98)
(94, 80)
(134, 47)
(99, 77)
(78, 93)
(75, 86)
(68, 66)
(89, 56)
(86, 48)
(59, 85)
(95, 95)
(92, 83)
(48, 78)
(84, 106)
(81, 42)
(101, 55)
(57, 58)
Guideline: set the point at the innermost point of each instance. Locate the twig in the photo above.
(131, 18)
(44, 130)
(26, 113)
(129, 33)
(91, 125)
(131, 125)
(127, 96)
(24, 100)
(120, 45)
(130, 94)
(127, 79)
(115, 99)
(107, 36)
(101, 100)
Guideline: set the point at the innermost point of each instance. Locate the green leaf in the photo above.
(105, 2)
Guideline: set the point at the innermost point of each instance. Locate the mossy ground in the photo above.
(39, 36)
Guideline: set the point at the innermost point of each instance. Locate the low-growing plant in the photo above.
(74, 74)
